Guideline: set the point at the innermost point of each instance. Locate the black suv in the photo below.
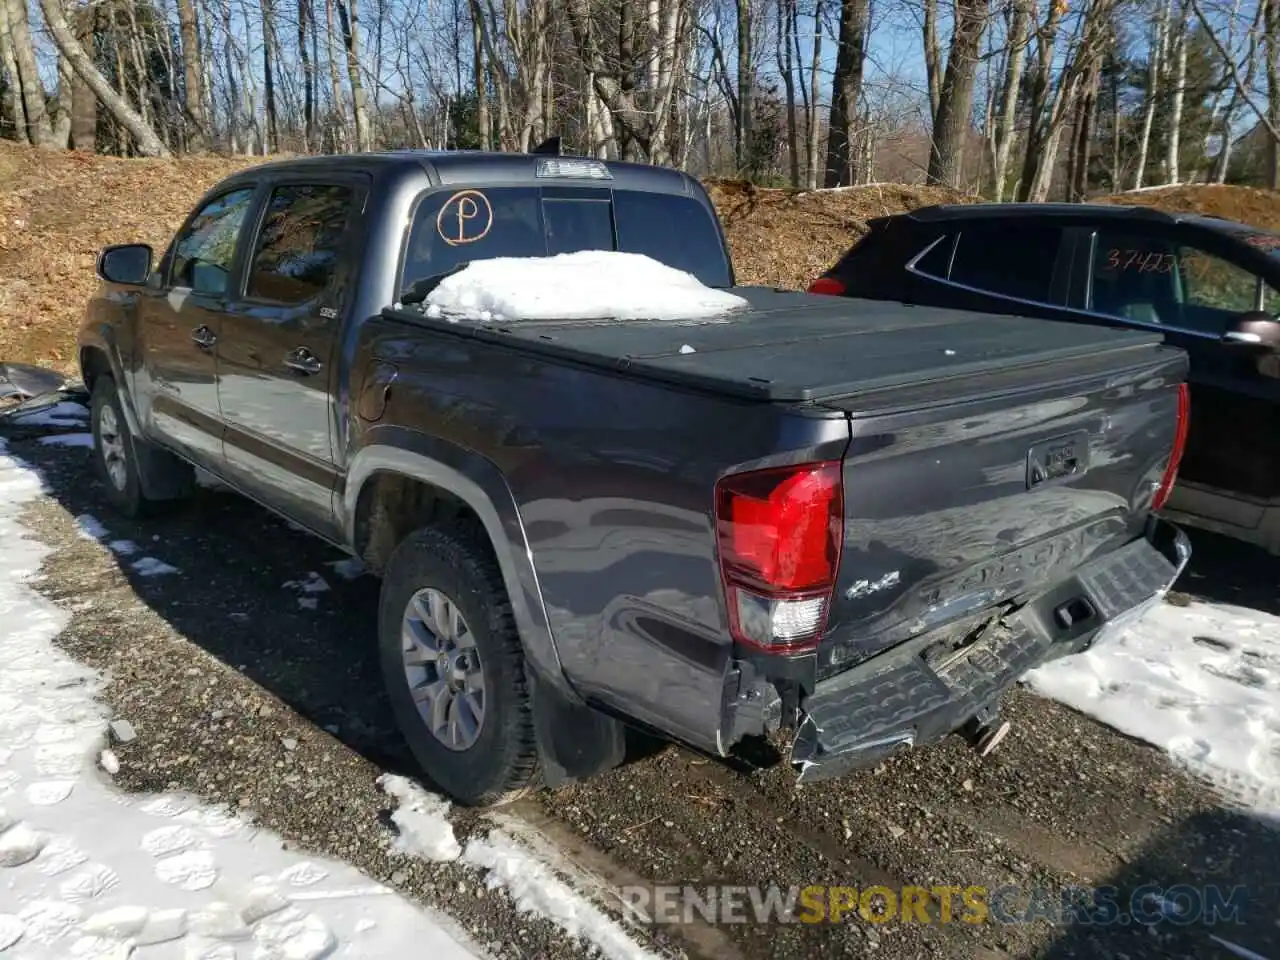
(1209, 285)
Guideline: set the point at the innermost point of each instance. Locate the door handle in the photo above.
(302, 360)
(202, 336)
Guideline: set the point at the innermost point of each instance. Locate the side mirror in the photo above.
(1255, 329)
(128, 263)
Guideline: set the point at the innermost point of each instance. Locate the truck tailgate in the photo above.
(958, 500)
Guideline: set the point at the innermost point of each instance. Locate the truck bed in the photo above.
(795, 347)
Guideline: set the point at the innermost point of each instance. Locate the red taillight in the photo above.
(779, 533)
(828, 285)
(1179, 445)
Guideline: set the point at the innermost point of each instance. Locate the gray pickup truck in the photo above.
(845, 527)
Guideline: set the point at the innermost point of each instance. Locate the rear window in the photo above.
(453, 227)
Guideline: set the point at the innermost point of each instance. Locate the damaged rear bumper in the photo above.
(916, 694)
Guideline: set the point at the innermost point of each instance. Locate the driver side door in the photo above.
(1193, 292)
(180, 321)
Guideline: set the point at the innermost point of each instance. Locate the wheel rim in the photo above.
(443, 669)
(111, 445)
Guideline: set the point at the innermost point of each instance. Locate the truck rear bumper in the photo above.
(915, 694)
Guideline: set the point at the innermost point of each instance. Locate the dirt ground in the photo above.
(58, 209)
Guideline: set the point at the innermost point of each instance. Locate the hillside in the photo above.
(58, 209)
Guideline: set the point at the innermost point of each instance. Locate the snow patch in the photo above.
(349, 568)
(1201, 682)
(536, 889)
(61, 414)
(422, 819)
(88, 871)
(68, 440)
(151, 567)
(425, 831)
(91, 527)
(588, 285)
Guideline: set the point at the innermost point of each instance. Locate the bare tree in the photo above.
(146, 140)
(1003, 129)
(193, 76)
(846, 92)
(955, 97)
(35, 123)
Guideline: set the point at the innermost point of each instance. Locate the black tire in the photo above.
(502, 764)
(126, 497)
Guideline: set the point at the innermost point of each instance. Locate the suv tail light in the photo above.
(1163, 491)
(779, 533)
(828, 285)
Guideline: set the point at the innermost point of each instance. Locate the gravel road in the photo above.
(244, 695)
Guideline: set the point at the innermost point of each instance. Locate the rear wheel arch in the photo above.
(393, 490)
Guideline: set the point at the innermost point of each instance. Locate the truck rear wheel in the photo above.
(454, 667)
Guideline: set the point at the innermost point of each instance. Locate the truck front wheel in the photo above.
(454, 667)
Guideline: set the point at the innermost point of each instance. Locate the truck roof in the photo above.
(801, 347)
(482, 167)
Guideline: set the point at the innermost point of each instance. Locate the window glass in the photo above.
(574, 225)
(1134, 277)
(935, 262)
(204, 251)
(1012, 260)
(1153, 280)
(452, 227)
(677, 231)
(299, 243)
(1210, 281)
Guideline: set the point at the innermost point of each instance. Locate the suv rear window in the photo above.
(455, 226)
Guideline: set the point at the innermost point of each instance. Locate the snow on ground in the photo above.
(589, 285)
(1201, 682)
(89, 872)
(65, 413)
(425, 831)
(68, 440)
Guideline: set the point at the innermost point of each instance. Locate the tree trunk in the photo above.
(348, 17)
(1271, 55)
(1082, 138)
(811, 149)
(846, 89)
(955, 100)
(1173, 143)
(932, 56)
(335, 84)
(35, 118)
(787, 68)
(1154, 69)
(1222, 161)
(1005, 129)
(62, 122)
(746, 90)
(144, 137)
(11, 114)
(482, 87)
(305, 18)
(84, 105)
(193, 75)
(1038, 125)
(268, 75)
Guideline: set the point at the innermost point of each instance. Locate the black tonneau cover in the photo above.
(804, 347)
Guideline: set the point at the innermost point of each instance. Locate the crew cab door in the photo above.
(180, 316)
(1192, 287)
(279, 345)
